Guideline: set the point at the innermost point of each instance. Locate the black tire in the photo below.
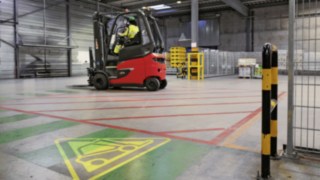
(163, 84)
(152, 84)
(100, 82)
(116, 87)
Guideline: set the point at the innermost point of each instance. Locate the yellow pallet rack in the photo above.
(195, 65)
(177, 56)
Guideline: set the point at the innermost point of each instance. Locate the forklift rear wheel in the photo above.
(100, 82)
(163, 84)
(152, 84)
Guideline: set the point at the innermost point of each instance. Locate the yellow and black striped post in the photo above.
(266, 109)
(274, 97)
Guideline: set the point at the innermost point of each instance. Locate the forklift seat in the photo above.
(134, 41)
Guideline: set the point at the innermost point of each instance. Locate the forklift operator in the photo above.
(128, 35)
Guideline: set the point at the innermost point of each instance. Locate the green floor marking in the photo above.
(22, 133)
(96, 157)
(5, 98)
(14, 118)
(166, 162)
(42, 155)
(33, 94)
(63, 91)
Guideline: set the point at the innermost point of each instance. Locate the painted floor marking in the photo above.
(132, 100)
(191, 130)
(97, 123)
(163, 116)
(215, 141)
(230, 141)
(143, 95)
(151, 106)
(95, 157)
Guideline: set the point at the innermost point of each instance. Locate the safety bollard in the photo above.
(274, 97)
(266, 109)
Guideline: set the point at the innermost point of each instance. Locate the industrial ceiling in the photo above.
(183, 6)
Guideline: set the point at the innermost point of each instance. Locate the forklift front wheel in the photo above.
(152, 84)
(163, 84)
(100, 82)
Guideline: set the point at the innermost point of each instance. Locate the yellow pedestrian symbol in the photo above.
(91, 158)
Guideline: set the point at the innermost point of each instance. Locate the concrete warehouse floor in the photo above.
(207, 129)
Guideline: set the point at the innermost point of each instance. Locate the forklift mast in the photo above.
(100, 32)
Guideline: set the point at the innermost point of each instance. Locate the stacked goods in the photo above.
(246, 67)
(177, 57)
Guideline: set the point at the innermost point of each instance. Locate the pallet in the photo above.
(241, 77)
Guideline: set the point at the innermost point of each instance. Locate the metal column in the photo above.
(252, 30)
(194, 21)
(16, 41)
(45, 34)
(248, 32)
(69, 51)
(289, 148)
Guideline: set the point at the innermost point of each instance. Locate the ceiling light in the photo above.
(160, 7)
(178, 2)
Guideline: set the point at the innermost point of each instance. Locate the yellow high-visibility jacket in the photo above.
(130, 31)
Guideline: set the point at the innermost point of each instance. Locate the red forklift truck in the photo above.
(140, 63)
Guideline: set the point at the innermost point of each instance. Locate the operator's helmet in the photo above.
(131, 20)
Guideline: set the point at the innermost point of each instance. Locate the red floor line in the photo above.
(153, 133)
(191, 130)
(143, 95)
(119, 95)
(214, 141)
(145, 107)
(230, 130)
(39, 114)
(107, 125)
(197, 88)
(234, 127)
(136, 100)
(162, 116)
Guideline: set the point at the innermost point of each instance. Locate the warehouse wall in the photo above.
(273, 29)
(31, 32)
(82, 35)
(6, 33)
(270, 25)
(175, 26)
(232, 32)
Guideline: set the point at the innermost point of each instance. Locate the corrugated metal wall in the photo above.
(270, 25)
(6, 34)
(208, 32)
(31, 31)
(232, 32)
(82, 35)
